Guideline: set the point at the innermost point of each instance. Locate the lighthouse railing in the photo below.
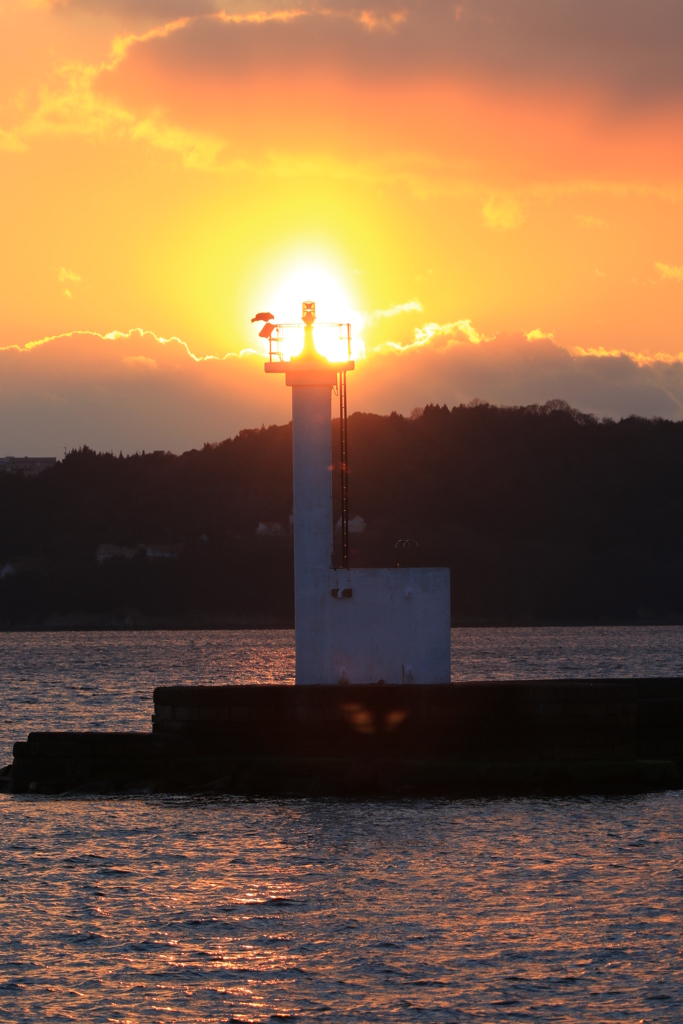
(279, 348)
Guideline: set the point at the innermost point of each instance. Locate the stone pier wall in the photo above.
(548, 720)
(548, 737)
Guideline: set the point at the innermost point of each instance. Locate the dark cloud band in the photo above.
(137, 387)
(627, 50)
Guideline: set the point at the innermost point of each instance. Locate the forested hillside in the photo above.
(543, 515)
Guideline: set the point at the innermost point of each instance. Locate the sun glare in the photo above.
(332, 306)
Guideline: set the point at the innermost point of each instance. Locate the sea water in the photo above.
(157, 909)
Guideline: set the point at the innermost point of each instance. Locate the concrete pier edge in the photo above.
(373, 741)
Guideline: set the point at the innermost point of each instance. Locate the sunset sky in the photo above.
(492, 190)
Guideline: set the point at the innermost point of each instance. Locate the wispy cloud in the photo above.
(668, 272)
(436, 336)
(11, 143)
(538, 335)
(370, 319)
(639, 358)
(72, 105)
(504, 212)
(65, 276)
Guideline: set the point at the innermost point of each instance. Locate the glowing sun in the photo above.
(332, 307)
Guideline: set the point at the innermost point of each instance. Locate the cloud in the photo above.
(515, 370)
(503, 212)
(140, 8)
(627, 49)
(133, 390)
(437, 337)
(669, 273)
(72, 105)
(68, 275)
(538, 335)
(370, 319)
(10, 143)
(443, 100)
(128, 390)
(95, 351)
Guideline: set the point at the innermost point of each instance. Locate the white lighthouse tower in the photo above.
(352, 625)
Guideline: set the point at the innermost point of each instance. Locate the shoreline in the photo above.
(134, 621)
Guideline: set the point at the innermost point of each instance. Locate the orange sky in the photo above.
(167, 165)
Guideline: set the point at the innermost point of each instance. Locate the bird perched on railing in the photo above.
(267, 328)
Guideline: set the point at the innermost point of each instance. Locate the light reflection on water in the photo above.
(173, 909)
(158, 909)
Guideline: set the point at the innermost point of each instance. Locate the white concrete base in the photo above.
(395, 626)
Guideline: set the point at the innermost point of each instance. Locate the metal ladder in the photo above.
(343, 434)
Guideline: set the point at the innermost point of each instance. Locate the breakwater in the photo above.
(564, 736)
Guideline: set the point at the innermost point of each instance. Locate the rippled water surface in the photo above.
(166, 909)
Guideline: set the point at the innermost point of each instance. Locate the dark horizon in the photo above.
(543, 514)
